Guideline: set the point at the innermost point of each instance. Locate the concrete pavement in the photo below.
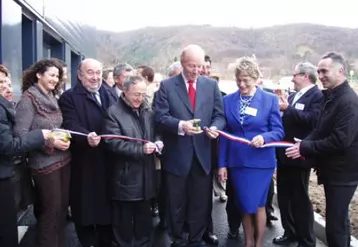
(161, 238)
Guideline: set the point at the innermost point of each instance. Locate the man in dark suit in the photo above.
(83, 108)
(187, 158)
(300, 113)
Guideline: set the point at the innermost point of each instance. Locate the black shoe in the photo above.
(283, 240)
(210, 238)
(233, 233)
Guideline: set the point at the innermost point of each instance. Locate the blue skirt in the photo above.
(250, 186)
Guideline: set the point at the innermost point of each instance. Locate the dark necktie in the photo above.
(97, 98)
(191, 93)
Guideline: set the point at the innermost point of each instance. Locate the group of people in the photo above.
(136, 144)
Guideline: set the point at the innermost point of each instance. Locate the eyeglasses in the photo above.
(246, 81)
(296, 74)
(138, 95)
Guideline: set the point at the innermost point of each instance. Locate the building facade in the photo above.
(31, 30)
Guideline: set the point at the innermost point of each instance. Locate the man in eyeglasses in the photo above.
(300, 111)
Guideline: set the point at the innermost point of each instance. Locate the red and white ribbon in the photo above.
(279, 144)
(122, 137)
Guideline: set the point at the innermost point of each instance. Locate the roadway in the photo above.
(161, 238)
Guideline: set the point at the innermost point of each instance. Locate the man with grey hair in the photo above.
(174, 69)
(120, 73)
(300, 113)
(333, 144)
(132, 190)
(180, 101)
(83, 109)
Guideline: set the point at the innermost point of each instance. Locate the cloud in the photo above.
(117, 15)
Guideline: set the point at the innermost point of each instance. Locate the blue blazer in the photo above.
(267, 123)
(172, 105)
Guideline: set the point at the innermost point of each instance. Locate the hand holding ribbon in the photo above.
(149, 148)
(211, 132)
(294, 151)
(93, 139)
(256, 141)
(159, 145)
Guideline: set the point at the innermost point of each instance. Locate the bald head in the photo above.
(90, 74)
(192, 51)
(192, 60)
(89, 61)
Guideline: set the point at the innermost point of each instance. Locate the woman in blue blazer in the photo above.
(253, 114)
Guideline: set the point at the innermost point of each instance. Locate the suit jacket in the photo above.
(299, 120)
(267, 123)
(172, 105)
(89, 197)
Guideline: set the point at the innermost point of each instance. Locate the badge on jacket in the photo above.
(300, 106)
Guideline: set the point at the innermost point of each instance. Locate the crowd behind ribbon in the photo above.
(112, 186)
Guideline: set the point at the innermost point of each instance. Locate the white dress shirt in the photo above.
(180, 126)
(300, 93)
(118, 91)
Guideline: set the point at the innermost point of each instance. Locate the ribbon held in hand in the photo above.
(280, 144)
(122, 137)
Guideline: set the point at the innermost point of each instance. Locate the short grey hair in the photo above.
(337, 58)
(249, 66)
(173, 66)
(120, 68)
(308, 69)
(132, 80)
(106, 73)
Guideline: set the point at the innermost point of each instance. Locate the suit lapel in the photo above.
(307, 94)
(235, 106)
(199, 93)
(183, 92)
(290, 98)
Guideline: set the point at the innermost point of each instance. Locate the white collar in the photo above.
(305, 89)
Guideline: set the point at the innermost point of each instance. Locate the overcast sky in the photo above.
(121, 15)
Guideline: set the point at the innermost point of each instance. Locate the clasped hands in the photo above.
(190, 129)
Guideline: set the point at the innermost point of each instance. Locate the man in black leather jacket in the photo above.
(133, 181)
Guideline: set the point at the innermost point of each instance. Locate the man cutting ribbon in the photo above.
(132, 141)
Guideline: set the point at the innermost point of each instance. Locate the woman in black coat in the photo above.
(9, 147)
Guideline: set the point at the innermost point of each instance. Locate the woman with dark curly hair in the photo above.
(38, 109)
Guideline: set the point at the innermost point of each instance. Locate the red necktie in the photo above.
(191, 93)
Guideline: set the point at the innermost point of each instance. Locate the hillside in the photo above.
(278, 48)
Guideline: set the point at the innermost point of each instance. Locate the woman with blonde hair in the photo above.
(253, 114)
